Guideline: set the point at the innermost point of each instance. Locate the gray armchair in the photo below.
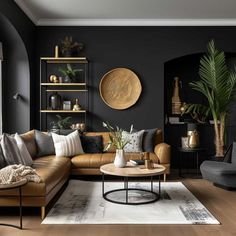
(222, 173)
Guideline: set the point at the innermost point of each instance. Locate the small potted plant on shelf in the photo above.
(62, 125)
(70, 74)
(69, 48)
(117, 141)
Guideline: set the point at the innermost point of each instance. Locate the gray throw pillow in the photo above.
(92, 144)
(148, 140)
(10, 150)
(44, 143)
(25, 156)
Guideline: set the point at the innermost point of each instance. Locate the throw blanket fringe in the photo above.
(15, 173)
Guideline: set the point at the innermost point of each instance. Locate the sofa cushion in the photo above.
(51, 169)
(69, 145)
(30, 143)
(135, 141)
(98, 159)
(92, 144)
(148, 140)
(25, 156)
(45, 145)
(10, 150)
(105, 139)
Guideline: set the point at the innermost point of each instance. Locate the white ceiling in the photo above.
(130, 12)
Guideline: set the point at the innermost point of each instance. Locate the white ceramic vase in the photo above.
(120, 160)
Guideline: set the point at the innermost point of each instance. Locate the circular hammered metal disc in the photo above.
(120, 88)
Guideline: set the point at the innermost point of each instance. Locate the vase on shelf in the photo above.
(120, 160)
(55, 101)
(176, 102)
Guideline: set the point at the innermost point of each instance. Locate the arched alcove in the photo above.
(187, 68)
(15, 78)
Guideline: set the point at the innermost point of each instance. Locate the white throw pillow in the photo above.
(26, 159)
(135, 141)
(66, 146)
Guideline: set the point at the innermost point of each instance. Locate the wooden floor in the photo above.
(221, 203)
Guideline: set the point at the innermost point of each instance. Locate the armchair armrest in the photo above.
(163, 152)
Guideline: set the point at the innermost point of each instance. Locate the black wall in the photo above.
(17, 34)
(142, 49)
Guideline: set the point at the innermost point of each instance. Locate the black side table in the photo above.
(189, 150)
(18, 185)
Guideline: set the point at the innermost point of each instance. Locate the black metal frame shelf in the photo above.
(78, 88)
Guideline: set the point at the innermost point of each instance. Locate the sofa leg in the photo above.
(164, 177)
(42, 212)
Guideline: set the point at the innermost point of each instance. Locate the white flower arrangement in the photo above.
(115, 137)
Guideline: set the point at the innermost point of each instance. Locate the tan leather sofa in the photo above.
(55, 171)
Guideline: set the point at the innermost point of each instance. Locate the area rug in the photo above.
(82, 203)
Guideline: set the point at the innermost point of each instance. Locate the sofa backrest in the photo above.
(158, 137)
(105, 135)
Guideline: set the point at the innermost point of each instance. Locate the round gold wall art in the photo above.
(120, 88)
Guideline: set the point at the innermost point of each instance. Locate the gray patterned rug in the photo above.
(82, 203)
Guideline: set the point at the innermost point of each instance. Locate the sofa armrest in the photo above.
(163, 152)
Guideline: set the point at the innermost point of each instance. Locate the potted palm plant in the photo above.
(217, 84)
(117, 141)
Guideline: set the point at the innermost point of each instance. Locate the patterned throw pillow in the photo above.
(135, 141)
(67, 146)
(26, 159)
(92, 144)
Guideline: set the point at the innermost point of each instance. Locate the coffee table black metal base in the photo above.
(126, 189)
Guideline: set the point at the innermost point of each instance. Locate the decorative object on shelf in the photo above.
(54, 127)
(79, 126)
(56, 51)
(120, 88)
(69, 73)
(219, 90)
(69, 48)
(175, 120)
(182, 108)
(116, 140)
(55, 101)
(53, 79)
(184, 142)
(176, 102)
(193, 139)
(66, 105)
(60, 79)
(76, 107)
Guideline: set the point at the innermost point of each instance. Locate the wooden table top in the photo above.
(132, 171)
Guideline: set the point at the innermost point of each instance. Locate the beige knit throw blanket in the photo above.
(15, 173)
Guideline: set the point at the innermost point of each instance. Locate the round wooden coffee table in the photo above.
(132, 172)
